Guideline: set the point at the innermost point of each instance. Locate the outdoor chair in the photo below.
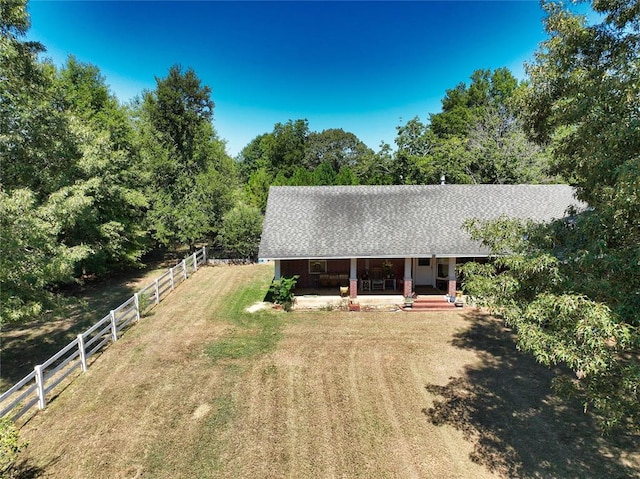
(377, 279)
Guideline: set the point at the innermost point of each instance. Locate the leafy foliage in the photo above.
(86, 180)
(478, 137)
(540, 285)
(10, 446)
(282, 291)
(31, 258)
(241, 230)
(571, 288)
(190, 176)
(293, 155)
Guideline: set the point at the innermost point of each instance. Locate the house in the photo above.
(390, 238)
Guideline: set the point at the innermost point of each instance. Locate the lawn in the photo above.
(203, 389)
(26, 345)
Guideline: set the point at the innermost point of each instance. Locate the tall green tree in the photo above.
(105, 171)
(570, 289)
(498, 151)
(241, 230)
(335, 146)
(33, 146)
(478, 137)
(32, 260)
(191, 178)
(377, 168)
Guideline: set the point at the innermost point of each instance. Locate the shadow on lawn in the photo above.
(507, 409)
(29, 344)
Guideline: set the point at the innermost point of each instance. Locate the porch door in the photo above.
(423, 272)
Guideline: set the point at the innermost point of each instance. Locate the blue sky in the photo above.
(365, 67)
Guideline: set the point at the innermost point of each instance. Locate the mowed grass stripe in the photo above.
(154, 403)
(330, 394)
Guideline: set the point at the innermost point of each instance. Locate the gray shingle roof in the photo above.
(395, 221)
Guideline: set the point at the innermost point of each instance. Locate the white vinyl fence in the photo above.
(34, 388)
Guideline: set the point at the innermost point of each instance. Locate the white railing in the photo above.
(33, 389)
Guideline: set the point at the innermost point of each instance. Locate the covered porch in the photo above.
(371, 278)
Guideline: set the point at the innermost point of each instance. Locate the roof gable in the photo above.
(395, 221)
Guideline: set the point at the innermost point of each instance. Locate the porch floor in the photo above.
(316, 298)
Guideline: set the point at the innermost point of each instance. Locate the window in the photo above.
(317, 266)
(424, 261)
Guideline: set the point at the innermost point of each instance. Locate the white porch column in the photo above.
(451, 290)
(353, 278)
(276, 274)
(408, 279)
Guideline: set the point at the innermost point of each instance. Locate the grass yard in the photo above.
(25, 345)
(203, 389)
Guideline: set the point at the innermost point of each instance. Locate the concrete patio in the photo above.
(321, 298)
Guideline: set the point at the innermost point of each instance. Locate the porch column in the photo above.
(451, 290)
(408, 280)
(276, 274)
(353, 278)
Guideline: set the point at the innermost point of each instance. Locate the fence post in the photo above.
(83, 355)
(42, 400)
(204, 255)
(184, 268)
(172, 281)
(136, 300)
(114, 329)
(157, 291)
(195, 262)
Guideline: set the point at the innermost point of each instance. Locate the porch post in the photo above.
(451, 290)
(276, 274)
(353, 278)
(408, 280)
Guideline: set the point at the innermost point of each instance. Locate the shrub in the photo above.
(10, 446)
(282, 291)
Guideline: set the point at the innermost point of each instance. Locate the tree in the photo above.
(32, 260)
(251, 158)
(462, 106)
(570, 288)
(346, 177)
(177, 108)
(257, 188)
(105, 169)
(478, 137)
(241, 230)
(324, 174)
(498, 151)
(376, 168)
(335, 146)
(190, 176)
(33, 132)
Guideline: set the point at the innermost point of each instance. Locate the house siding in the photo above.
(300, 267)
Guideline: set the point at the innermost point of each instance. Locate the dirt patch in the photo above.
(370, 394)
(260, 305)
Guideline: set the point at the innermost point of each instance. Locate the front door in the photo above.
(423, 268)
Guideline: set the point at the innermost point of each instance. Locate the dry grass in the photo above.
(203, 389)
(25, 345)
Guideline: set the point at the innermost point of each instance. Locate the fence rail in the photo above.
(34, 387)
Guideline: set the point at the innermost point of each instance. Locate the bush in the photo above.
(10, 446)
(241, 230)
(282, 291)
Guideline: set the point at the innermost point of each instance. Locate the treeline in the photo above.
(89, 185)
(478, 137)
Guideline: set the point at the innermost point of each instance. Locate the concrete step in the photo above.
(431, 303)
